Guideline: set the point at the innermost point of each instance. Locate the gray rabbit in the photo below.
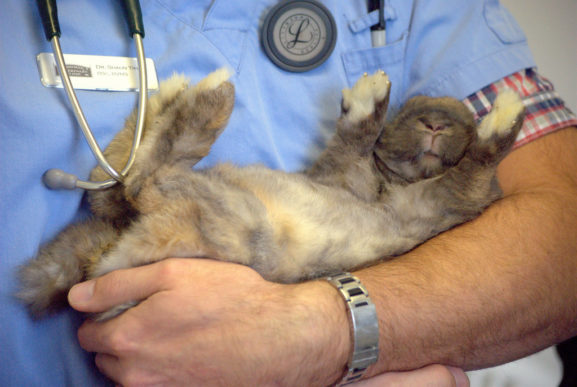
(378, 190)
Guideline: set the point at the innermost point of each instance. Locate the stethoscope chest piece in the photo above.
(298, 35)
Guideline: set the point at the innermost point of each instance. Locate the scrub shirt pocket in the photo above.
(226, 26)
(502, 23)
(389, 58)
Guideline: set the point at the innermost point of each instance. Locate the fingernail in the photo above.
(461, 378)
(81, 293)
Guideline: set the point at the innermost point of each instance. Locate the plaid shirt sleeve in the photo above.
(546, 111)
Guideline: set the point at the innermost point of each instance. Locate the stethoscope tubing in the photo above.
(56, 178)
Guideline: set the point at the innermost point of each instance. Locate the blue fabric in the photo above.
(281, 119)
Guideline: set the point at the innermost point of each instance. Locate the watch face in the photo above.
(298, 35)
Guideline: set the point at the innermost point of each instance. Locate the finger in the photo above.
(124, 374)
(116, 288)
(106, 337)
(433, 375)
(109, 366)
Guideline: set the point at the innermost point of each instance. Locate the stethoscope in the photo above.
(57, 178)
(297, 36)
(300, 35)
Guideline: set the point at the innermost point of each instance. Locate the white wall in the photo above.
(551, 30)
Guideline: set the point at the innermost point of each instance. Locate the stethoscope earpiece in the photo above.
(58, 179)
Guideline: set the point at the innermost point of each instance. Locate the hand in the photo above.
(434, 376)
(204, 323)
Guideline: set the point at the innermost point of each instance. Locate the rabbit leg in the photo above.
(348, 160)
(184, 133)
(62, 263)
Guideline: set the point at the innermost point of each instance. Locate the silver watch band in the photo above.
(364, 326)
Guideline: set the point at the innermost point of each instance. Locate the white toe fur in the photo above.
(214, 79)
(501, 119)
(359, 101)
(167, 91)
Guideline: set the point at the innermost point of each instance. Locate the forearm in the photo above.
(494, 289)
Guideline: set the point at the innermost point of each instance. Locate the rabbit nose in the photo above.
(436, 128)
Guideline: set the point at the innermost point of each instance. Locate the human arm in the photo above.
(497, 288)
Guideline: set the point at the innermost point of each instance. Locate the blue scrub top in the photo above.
(281, 119)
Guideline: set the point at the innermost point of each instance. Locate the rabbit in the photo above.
(380, 188)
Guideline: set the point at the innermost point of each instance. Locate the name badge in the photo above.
(96, 72)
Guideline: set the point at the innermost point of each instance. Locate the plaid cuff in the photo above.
(546, 111)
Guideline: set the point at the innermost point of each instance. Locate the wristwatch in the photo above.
(364, 326)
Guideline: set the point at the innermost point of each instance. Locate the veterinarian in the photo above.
(488, 292)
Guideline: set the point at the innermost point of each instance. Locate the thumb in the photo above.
(432, 375)
(115, 288)
(460, 376)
